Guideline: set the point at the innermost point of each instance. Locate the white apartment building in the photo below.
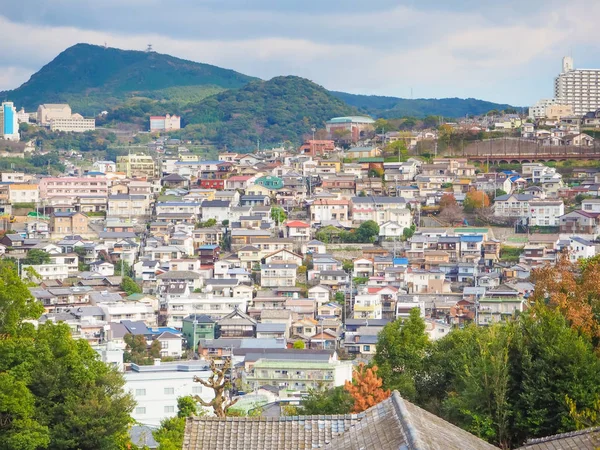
(538, 111)
(157, 388)
(47, 271)
(544, 213)
(367, 306)
(117, 311)
(579, 88)
(208, 304)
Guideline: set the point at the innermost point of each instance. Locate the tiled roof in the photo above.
(577, 440)
(391, 425)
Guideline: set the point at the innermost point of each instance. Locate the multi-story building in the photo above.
(9, 124)
(51, 111)
(350, 128)
(165, 123)
(156, 388)
(274, 275)
(138, 165)
(65, 223)
(126, 206)
(23, 193)
(69, 187)
(298, 375)
(74, 124)
(579, 88)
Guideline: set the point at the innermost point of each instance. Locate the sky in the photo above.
(507, 52)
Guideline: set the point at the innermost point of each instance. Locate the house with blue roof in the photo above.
(471, 247)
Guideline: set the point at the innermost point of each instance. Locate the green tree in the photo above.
(36, 256)
(171, 431)
(407, 233)
(340, 297)
(326, 401)
(16, 301)
(401, 348)
(278, 215)
(367, 231)
(299, 345)
(130, 286)
(123, 268)
(19, 428)
(79, 398)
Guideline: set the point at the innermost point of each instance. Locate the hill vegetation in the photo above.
(91, 78)
(394, 107)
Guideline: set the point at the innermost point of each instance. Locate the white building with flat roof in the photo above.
(156, 388)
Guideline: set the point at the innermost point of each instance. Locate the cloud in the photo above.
(506, 52)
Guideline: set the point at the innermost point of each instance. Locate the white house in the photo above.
(170, 345)
(580, 248)
(546, 212)
(391, 230)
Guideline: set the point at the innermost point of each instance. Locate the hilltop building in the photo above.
(165, 123)
(51, 111)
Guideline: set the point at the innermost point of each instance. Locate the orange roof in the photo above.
(25, 187)
(331, 202)
(297, 224)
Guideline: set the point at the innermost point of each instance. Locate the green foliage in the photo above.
(107, 76)
(130, 286)
(407, 233)
(510, 254)
(16, 302)
(207, 223)
(389, 107)
(340, 297)
(299, 345)
(187, 406)
(499, 193)
(401, 349)
(36, 256)
(367, 231)
(170, 434)
(281, 109)
(123, 268)
(38, 164)
(326, 401)
(278, 215)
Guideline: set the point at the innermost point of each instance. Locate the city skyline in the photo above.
(506, 53)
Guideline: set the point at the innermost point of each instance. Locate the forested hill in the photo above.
(281, 109)
(393, 107)
(92, 78)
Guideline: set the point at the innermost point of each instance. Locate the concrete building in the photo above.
(23, 193)
(74, 124)
(579, 88)
(69, 187)
(165, 123)
(349, 128)
(9, 124)
(138, 166)
(52, 111)
(156, 388)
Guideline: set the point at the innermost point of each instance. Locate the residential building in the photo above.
(156, 388)
(350, 128)
(68, 223)
(23, 193)
(323, 210)
(274, 275)
(128, 206)
(138, 166)
(544, 213)
(65, 188)
(577, 88)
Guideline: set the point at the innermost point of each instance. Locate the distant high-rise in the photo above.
(10, 124)
(579, 88)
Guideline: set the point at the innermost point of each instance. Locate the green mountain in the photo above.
(274, 111)
(394, 107)
(92, 78)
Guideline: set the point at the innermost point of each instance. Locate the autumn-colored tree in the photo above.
(448, 199)
(219, 383)
(365, 388)
(451, 214)
(573, 289)
(476, 199)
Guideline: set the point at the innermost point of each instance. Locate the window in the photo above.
(164, 344)
(140, 410)
(169, 409)
(140, 392)
(196, 389)
(169, 391)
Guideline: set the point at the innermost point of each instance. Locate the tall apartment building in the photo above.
(138, 166)
(9, 125)
(579, 88)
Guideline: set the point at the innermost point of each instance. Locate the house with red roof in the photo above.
(297, 229)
